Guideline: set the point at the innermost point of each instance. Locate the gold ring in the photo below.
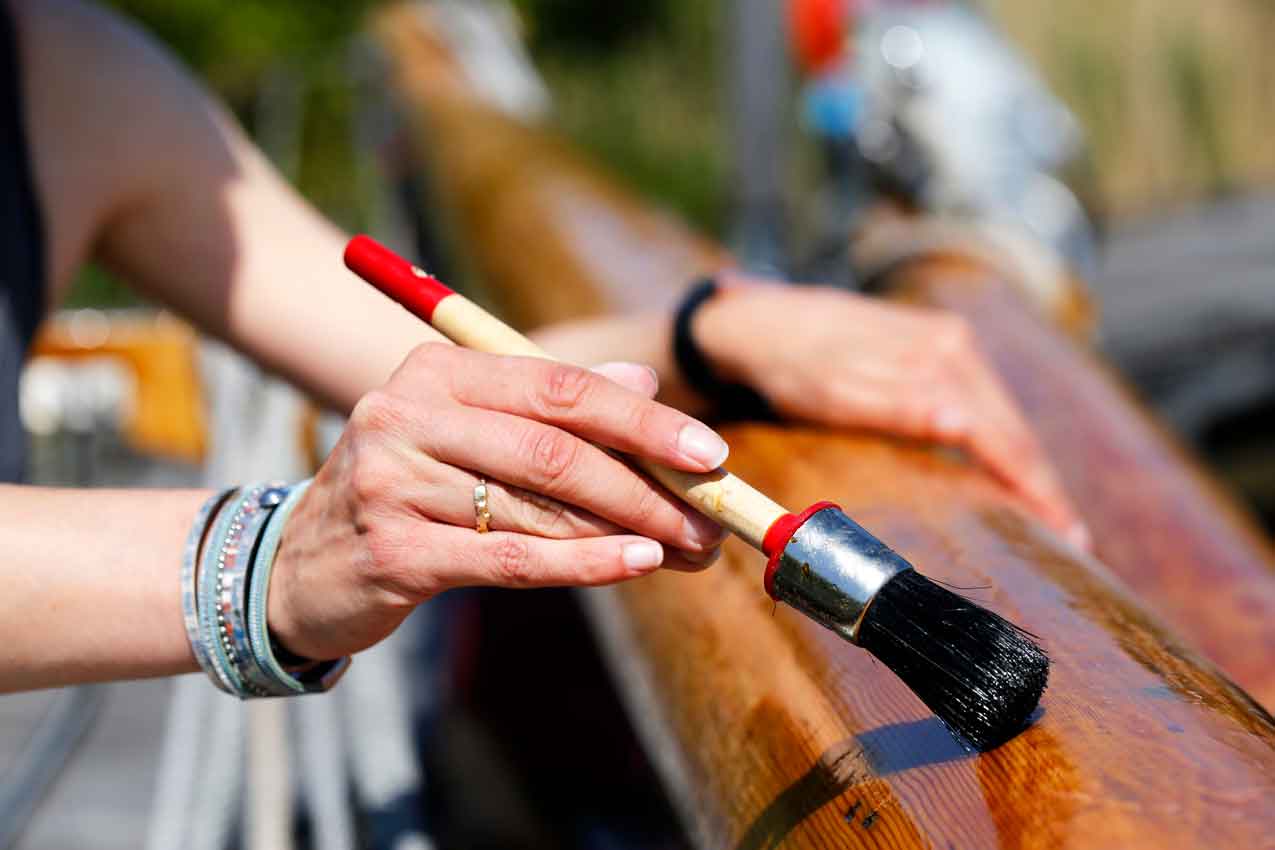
(482, 516)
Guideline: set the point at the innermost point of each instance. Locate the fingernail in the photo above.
(1078, 535)
(702, 445)
(701, 531)
(643, 556)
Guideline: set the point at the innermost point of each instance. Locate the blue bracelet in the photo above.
(229, 526)
(232, 589)
(316, 680)
(190, 569)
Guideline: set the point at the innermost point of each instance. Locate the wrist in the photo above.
(718, 334)
(730, 399)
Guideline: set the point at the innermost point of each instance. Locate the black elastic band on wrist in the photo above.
(730, 401)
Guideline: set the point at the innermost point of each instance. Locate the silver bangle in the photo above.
(234, 566)
(223, 675)
(189, 572)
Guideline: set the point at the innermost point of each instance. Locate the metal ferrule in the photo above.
(831, 570)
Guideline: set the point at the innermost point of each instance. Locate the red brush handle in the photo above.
(407, 284)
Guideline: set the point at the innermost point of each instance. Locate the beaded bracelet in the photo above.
(222, 674)
(190, 570)
(234, 566)
(224, 536)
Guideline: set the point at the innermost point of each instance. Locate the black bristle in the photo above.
(979, 673)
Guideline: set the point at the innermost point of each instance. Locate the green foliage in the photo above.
(1195, 83)
(590, 28)
(1095, 85)
(647, 101)
(96, 287)
(235, 48)
(231, 45)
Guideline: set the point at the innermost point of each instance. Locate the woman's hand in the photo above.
(389, 521)
(835, 358)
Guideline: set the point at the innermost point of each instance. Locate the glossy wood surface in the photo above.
(772, 731)
(1159, 521)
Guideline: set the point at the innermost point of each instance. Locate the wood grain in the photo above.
(1159, 521)
(768, 729)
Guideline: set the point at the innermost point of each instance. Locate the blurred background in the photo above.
(1130, 142)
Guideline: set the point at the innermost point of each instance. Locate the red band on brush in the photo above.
(394, 276)
(778, 535)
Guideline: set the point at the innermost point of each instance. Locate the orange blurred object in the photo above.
(167, 417)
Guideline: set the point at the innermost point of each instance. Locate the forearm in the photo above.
(262, 270)
(184, 207)
(91, 585)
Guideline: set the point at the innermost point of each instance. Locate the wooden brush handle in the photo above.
(719, 495)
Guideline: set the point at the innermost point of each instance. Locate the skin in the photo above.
(171, 196)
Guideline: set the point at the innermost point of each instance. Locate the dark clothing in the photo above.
(21, 252)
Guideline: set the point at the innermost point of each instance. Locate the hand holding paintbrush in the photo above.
(979, 674)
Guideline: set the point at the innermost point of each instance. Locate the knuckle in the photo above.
(376, 411)
(512, 558)
(648, 420)
(370, 409)
(644, 506)
(386, 565)
(565, 387)
(543, 515)
(551, 454)
(427, 354)
(371, 477)
(425, 365)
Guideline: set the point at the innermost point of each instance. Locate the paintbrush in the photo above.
(981, 675)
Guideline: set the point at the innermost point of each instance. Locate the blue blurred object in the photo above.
(931, 104)
(834, 105)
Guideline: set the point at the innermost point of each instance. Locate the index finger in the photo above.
(588, 405)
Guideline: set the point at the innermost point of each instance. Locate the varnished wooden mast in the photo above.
(1159, 521)
(771, 730)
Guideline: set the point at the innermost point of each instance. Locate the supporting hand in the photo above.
(835, 358)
